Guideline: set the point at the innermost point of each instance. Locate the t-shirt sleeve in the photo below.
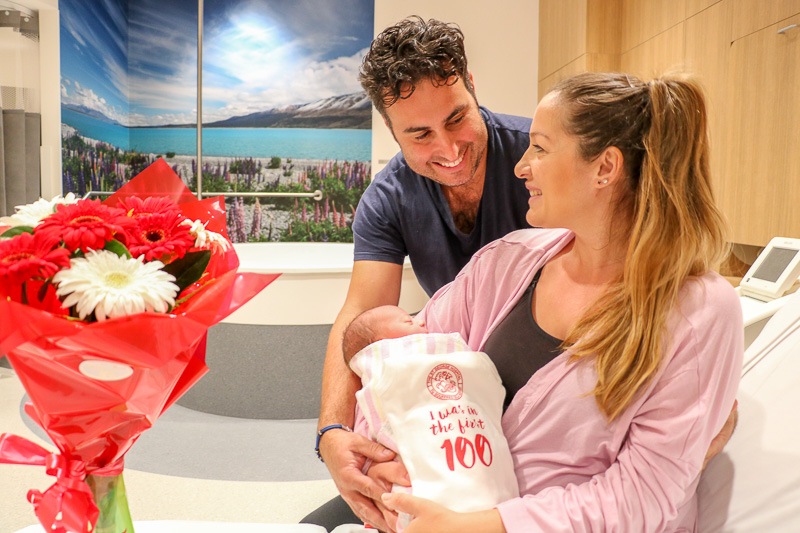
(376, 227)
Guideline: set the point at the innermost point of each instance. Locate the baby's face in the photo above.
(397, 323)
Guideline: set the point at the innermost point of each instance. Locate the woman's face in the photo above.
(560, 181)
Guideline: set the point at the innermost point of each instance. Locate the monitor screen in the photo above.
(774, 264)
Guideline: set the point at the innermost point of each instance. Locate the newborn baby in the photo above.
(437, 403)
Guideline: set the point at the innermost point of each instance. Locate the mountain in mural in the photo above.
(348, 111)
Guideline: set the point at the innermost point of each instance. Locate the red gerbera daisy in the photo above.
(28, 256)
(153, 205)
(87, 225)
(159, 235)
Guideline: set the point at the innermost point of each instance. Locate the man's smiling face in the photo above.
(441, 132)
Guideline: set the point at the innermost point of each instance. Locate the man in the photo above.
(450, 191)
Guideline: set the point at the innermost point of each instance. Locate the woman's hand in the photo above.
(722, 438)
(430, 516)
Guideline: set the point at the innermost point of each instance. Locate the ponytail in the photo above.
(676, 232)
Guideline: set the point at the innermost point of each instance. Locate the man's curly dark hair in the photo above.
(410, 51)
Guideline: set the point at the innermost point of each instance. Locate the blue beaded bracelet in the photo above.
(322, 432)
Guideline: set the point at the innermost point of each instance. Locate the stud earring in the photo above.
(604, 181)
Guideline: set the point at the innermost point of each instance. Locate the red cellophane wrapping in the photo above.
(94, 422)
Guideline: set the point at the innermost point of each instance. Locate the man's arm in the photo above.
(372, 284)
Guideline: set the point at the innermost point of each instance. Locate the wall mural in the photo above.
(282, 107)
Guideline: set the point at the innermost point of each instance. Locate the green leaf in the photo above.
(188, 268)
(16, 230)
(118, 248)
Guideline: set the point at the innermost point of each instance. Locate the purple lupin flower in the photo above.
(255, 230)
(67, 182)
(241, 234)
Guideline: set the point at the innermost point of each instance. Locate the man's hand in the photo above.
(722, 438)
(345, 454)
(386, 474)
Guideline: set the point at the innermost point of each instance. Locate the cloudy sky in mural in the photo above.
(140, 67)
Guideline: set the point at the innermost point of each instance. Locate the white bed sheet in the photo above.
(754, 484)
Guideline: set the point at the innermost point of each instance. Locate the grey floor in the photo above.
(221, 447)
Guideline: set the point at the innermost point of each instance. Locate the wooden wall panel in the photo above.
(590, 62)
(654, 57)
(570, 69)
(751, 75)
(762, 146)
(603, 27)
(562, 34)
(644, 19)
(706, 56)
(693, 7)
(754, 15)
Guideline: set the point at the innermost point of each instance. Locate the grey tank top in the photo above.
(518, 347)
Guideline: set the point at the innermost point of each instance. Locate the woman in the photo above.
(610, 432)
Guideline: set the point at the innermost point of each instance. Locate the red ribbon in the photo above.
(68, 505)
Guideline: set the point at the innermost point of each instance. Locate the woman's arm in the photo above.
(651, 481)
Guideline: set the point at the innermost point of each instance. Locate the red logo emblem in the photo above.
(445, 382)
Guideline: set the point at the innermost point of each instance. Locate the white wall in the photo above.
(50, 79)
(502, 41)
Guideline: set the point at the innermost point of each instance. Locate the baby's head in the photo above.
(384, 322)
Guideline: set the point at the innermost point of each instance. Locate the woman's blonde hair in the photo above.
(675, 232)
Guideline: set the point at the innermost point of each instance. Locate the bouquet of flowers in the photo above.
(104, 309)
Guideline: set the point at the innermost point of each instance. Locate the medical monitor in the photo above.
(775, 270)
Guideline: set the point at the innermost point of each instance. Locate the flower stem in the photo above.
(111, 500)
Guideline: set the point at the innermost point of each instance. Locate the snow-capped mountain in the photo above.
(349, 111)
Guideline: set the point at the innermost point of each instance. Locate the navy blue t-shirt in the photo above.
(404, 214)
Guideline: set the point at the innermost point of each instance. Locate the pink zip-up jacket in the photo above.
(576, 471)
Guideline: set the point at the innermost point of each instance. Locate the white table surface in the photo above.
(190, 526)
(194, 526)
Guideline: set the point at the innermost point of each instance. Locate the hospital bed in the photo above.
(754, 484)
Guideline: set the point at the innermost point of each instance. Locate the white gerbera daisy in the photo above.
(32, 214)
(205, 238)
(114, 286)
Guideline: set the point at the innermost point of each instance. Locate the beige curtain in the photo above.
(20, 127)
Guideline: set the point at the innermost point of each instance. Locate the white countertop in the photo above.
(191, 526)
